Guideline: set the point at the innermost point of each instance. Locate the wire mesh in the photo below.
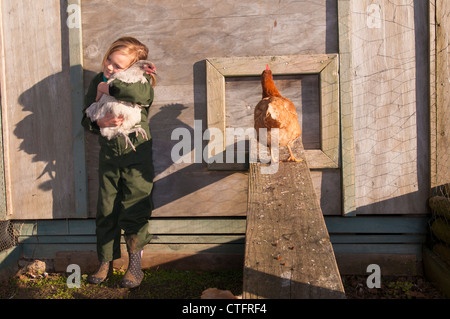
(8, 237)
(440, 223)
(440, 199)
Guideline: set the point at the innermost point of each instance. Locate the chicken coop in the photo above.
(369, 79)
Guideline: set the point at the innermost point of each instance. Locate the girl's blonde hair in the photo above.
(130, 47)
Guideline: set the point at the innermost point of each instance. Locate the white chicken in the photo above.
(131, 112)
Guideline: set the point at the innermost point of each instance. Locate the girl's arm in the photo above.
(90, 98)
(110, 120)
(139, 93)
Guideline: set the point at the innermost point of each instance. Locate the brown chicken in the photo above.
(276, 111)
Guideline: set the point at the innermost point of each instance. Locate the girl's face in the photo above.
(116, 62)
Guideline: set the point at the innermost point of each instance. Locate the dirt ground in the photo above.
(391, 288)
(177, 284)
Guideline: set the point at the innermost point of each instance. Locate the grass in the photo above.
(180, 284)
(157, 284)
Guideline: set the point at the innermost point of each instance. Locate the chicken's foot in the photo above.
(128, 142)
(138, 130)
(292, 157)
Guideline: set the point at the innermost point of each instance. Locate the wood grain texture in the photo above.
(346, 102)
(181, 36)
(288, 251)
(241, 95)
(433, 93)
(390, 106)
(36, 110)
(77, 98)
(442, 92)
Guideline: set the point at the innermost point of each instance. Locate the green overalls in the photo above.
(125, 176)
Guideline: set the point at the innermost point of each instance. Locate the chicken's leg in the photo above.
(138, 130)
(292, 158)
(128, 142)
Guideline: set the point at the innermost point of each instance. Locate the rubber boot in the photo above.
(103, 272)
(134, 275)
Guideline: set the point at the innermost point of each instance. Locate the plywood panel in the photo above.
(390, 103)
(181, 36)
(442, 92)
(242, 95)
(36, 109)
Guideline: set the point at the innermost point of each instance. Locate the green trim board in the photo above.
(220, 242)
(396, 235)
(231, 225)
(9, 262)
(227, 239)
(157, 226)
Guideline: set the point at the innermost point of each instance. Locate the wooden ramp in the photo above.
(288, 253)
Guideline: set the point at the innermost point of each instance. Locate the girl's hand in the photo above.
(110, 121)
(102, 88)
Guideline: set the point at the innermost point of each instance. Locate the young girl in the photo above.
(125, 176)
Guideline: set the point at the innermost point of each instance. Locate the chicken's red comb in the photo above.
(267, 67)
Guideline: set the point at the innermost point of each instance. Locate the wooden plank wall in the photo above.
(394, 243)
(388, 86)
(181, 37)
(390, 101)
(36, 109)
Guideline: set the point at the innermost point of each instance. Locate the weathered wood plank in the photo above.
(36, 110)
(288, 249)
(442, 92)
(77, 94)
(329, 110)
(433, 91)
(215, 97)
(390, 105)
(346, 95)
